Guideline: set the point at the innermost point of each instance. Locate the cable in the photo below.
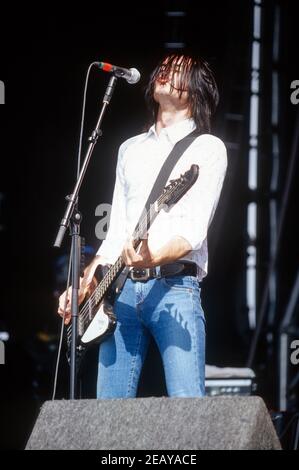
(82, 118)
(62, 326)
(296, 440)
(288, 425)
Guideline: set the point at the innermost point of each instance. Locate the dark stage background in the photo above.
(44, 58)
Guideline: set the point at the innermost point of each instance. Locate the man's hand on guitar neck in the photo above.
(143, 257)
(87, 284)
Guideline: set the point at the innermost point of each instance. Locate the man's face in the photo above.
(169, 81)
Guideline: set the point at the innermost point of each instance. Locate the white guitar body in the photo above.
(101, 324)
(97, 327)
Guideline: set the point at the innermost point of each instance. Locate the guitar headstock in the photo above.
(176, 189)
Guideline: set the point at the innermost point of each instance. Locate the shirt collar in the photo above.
(176, 131)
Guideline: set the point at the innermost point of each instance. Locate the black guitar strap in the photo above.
(179, 148)
(167, 167)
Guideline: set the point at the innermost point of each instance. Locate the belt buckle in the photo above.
(140, 277)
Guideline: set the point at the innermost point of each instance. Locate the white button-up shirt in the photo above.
(139, 161)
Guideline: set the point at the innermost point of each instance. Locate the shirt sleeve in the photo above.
(193, 214)
(112, 245)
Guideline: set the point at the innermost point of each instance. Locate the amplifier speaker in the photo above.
(155, 423)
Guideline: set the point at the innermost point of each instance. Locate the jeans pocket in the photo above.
(179, 283)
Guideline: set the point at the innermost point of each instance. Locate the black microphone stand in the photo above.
(72, 218)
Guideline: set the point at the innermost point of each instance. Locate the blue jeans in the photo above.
(170, 310)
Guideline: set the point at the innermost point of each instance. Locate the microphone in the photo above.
(131, 75)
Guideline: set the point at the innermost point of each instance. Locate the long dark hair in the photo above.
(196, 78)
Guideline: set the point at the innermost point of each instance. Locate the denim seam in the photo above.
(133, 368)
(196, 342)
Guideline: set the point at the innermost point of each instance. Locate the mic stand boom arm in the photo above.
(72, 218)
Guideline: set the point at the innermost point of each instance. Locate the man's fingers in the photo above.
(130, 258)
(61, 311)
(86, 286)
(129, 253)
(64, 303)
(88, 282)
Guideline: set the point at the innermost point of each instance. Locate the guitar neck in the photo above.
(140, 232)
(108, 279)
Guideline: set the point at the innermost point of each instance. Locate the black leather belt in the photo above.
(182, 268)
